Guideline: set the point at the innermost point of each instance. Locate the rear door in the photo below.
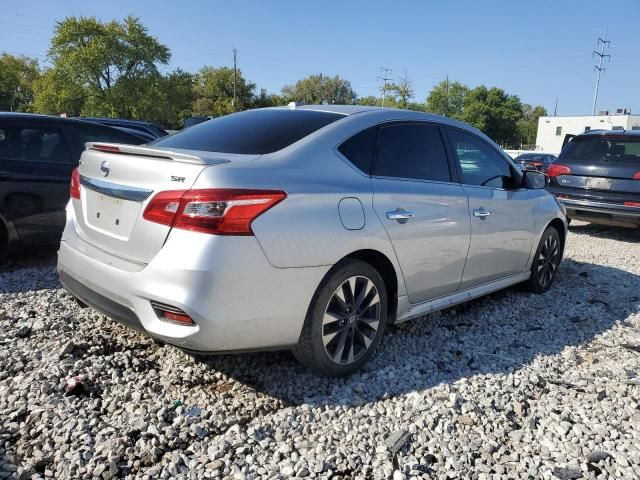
(422, 206)
(35, 166)
(501, 215)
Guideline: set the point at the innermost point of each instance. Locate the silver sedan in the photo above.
(307, 228)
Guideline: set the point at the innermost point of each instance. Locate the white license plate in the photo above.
(599, 183)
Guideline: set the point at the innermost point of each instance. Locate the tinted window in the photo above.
(36, 145)
(361, 148)
(480, 163)
(602, 149)
(89, 133)
(412, 151)
(250, 132)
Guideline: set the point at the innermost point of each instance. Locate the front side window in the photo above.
(413, 151)
(36, 145)
(481, 164)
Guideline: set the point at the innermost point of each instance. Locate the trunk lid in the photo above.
(118, 181)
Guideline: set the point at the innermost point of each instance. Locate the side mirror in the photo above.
(534, 179)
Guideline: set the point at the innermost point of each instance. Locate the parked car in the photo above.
(535, 161)
(148, 128)
(597, 177)
(37, 155)
(308, 228)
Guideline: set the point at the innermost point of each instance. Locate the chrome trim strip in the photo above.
(114, 190)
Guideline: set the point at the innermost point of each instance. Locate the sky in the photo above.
(539, 50)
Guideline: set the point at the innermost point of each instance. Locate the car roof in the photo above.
(117, 120)
(601, 133)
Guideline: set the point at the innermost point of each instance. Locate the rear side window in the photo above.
(413, 151)
(252, 132)
(602, 149)
(361, 149)
(36, 145)
(4, 143)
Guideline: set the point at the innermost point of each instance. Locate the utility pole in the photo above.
(235, 76)
(446, 108)
(555, 109)
(385, 79)
(602, 43)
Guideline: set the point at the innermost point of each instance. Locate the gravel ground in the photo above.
(514, 385)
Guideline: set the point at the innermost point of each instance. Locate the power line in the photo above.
(602, 43)
(385, 79)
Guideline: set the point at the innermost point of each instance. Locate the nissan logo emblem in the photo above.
(104, 168)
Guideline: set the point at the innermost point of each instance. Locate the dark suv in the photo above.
(597, 177)
(37, 155)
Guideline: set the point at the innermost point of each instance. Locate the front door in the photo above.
(422, 207)
(501, 212)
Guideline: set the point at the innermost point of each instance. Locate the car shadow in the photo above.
(620, 234)
(27, 265)
(500, 333)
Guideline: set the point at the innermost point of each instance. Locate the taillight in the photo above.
(163, 207)
(636, 176)
(105, 148)
(555, 170)
(632, 204)
(74, 190)
(214, 211)
(536, 164)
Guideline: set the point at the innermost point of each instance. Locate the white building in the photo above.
(551, 130)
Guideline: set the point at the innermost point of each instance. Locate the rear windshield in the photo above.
(251, 132)
(529, 156)
(602, 149)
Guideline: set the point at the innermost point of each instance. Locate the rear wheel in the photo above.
(345, 322)
(4, 243)
(546, 262)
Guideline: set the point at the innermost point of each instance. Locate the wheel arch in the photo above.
(387, 271)
(559, 225)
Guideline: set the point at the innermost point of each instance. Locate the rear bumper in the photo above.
(600, 212)
(236, 298)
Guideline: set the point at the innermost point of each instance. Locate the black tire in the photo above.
(327, 327)
(546, 262)
(4, 243)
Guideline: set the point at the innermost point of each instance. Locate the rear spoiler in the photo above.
(159, 153)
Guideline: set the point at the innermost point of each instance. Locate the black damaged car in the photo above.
(37, 156)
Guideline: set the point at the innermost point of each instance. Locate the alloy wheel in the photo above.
(548, 260)
(351, 320)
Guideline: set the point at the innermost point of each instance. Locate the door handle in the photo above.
(481, 212)
(400, 214)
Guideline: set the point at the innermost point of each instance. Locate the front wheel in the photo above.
(546, 262)
(345, 321)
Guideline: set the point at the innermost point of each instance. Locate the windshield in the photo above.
(618, 149)
(252, 132)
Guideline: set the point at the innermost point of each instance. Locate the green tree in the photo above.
(107, 68)
(17, 77)
(214, 92)
(494, 112)
(401, 92)
(317, 89)
(265, 99)
(528, 125)
(447, 98)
